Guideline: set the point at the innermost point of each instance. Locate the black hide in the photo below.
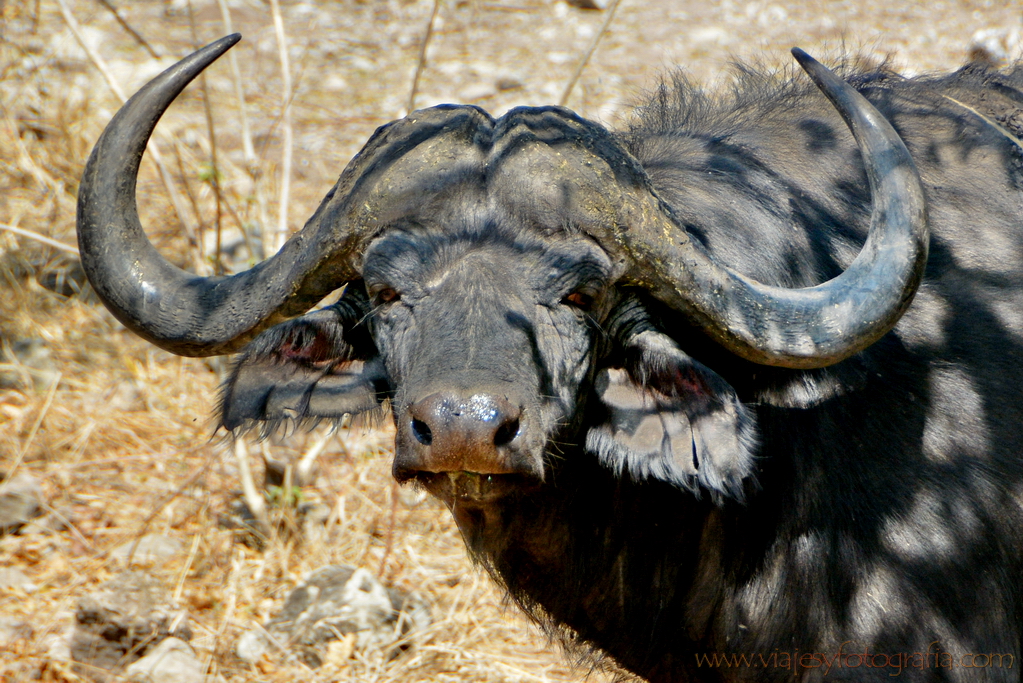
(663, 500)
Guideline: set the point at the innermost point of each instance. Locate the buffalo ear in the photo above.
(314, 367)
(671, 418)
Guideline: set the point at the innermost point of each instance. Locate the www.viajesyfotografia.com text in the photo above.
(846, 657)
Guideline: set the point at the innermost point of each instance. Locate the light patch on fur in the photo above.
(876, 606)
(924, 534)
(924, 323)
(763, 599)
(1009, 313)
(807, 551)
(956, 424)
(806, 390)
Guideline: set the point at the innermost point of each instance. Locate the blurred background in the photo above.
(108, 456)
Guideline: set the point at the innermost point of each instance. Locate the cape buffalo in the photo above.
(611, 355)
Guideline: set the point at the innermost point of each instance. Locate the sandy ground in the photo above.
(119, 432)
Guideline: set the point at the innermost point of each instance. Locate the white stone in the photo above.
(14, 578)
(150, 548)
(252, 645)
(172, 661)
(12, 629)
(20, 501)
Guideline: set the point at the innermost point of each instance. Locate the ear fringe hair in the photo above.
(264, 429)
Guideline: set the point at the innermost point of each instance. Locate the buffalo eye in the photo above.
(386, 295)
(579, 300)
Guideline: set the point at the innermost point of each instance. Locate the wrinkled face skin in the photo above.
(504, 337)
(487, 336)
(504, 348)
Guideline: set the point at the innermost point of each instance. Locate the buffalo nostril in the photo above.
(506, 433)
(422, 432)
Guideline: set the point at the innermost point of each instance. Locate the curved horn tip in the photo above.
(802, 57)
(826, 79)
(817, 71)
(227, 41)
(218, 47)
(208, 54)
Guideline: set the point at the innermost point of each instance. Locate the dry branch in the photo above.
(40, 238)
(278, 237)
(127, 27)
(589, 53)
(186, 221)
(421, 63)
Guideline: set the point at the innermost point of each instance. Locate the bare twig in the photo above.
(248, 150)
(158, 508)
(35, 18)
(252, 164)
(278, 237)
(180, 588)
(589, 53)
(70, 527)
(154, 151)
(40, 238)
(127, 27)
(25, 161)
(99, 462)
(97, 61)
(32, 433)
(253, 498)
(391, 523)
(214, 174)
(226, 618)
(194, 201)
(304, 470)
(421, 65)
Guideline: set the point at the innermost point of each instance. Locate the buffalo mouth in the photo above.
(474, 488)
(474, 499)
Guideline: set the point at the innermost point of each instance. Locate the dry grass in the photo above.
(118, 432)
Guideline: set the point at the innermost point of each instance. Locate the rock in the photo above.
(125, 396)
(32, 365)
(239, 519)
(236, 249)
(64, 276)
(150, 549)
(54, 522)
(20, 501)
(313, 517)
(252, 645)
(122, 621)
(172, 661)
(14, 578)
(506, 83)
(58, 645)
(335, 603)
(12, 629)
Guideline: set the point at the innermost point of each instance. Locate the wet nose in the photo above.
(449, 432)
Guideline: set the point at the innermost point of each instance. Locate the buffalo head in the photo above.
(499, 278)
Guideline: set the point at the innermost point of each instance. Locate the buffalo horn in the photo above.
(183, 313)
(796, 328)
